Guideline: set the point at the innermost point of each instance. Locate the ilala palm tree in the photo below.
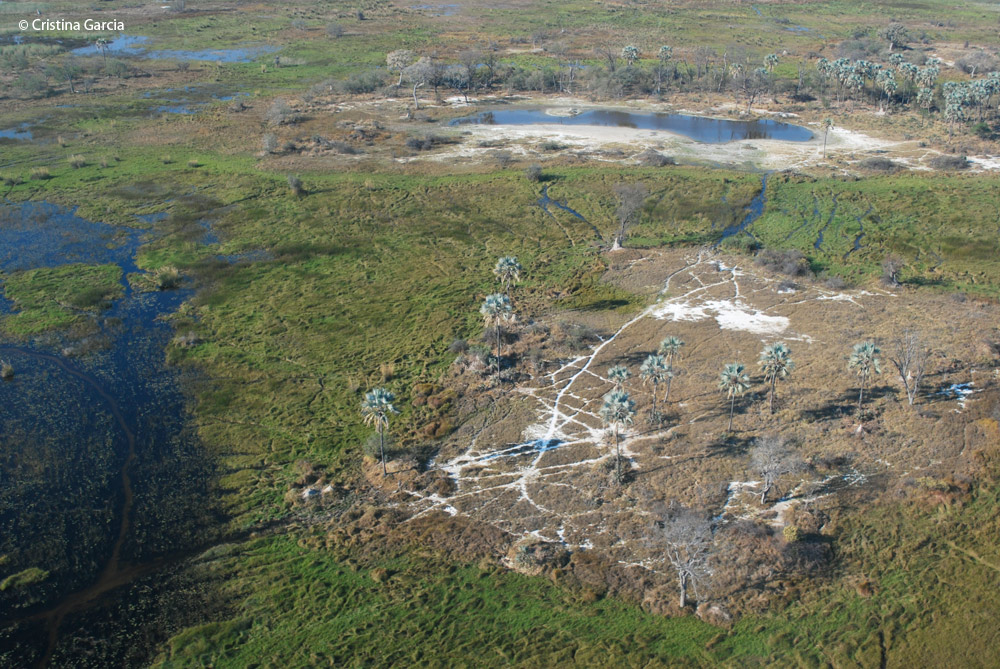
(654, 370)
(496, 310)
(508, 272)
(864, 361)
(734, 382)
(618, 375)
(671, 348)
(376, 407)
(776, 363)
(617, 411)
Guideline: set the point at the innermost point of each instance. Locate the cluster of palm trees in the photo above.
(618, 409)
(497, 308)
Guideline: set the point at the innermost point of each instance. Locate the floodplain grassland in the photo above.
(369, 276)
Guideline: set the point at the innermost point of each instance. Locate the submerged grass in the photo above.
(51, 298)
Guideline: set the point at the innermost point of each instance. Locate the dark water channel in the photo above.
(102, 480)
(699, 128)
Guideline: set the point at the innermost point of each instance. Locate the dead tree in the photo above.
(771, 459)
(686, 539)
(631, 197)
(909, 356)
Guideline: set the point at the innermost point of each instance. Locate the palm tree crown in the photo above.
(864, 359)
(496, 309)
(618, 409)
(618, 375)
(654, 369)
(775, 360)
(507, 271)
(734, 382)
(376, 407)
(671, 347)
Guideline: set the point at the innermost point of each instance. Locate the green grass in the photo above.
(54, 298)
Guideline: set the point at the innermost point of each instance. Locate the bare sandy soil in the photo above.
(539, 463)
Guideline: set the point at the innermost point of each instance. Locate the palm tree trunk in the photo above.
(498, 351)
(381, 450)
(771, 400)
(654, 403)
(618, 458)
(732, 408)
(861, 394)
(666, 398)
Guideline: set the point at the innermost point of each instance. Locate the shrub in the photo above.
(835, 283)
(40, 173)
(427, 142)
(551, 145)
(194, 163)
(166, 159)
(741, 243)
(335, 30)
(77, 161)
(167, 278)
(982, 130)
(6, 370)
(880, 164)
(651, 158)
(949, 162)
(183, 66)
(458, 346)
(791, 534)
(118, 69)
(790, 262)
(362, 82)
(533, 173)
(279, 113)
(295, 185)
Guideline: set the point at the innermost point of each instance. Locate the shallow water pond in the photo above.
(699, 128)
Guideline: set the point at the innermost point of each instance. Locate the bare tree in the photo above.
(609, 54)
(771, 458)
(686, 539)
(420, 73)
(891, 267)
(909, 356)
(631, 197)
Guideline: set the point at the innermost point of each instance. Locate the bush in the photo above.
(651, 158)
(835, 283)
(6, 370)
(791, 534)
(168, 278)
(790, 262)
(166, 159)
(880, 164)
(40, 173)
(335, 30)
(533, 173)
(279, 113)
(458, 346)
(982, 130)
(551, 145)
(949, 162)
(295, 185)
(362, 82)
(427, 142)
(741, 243)
(77, 161)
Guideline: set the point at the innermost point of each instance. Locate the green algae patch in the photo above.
(57, 298)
